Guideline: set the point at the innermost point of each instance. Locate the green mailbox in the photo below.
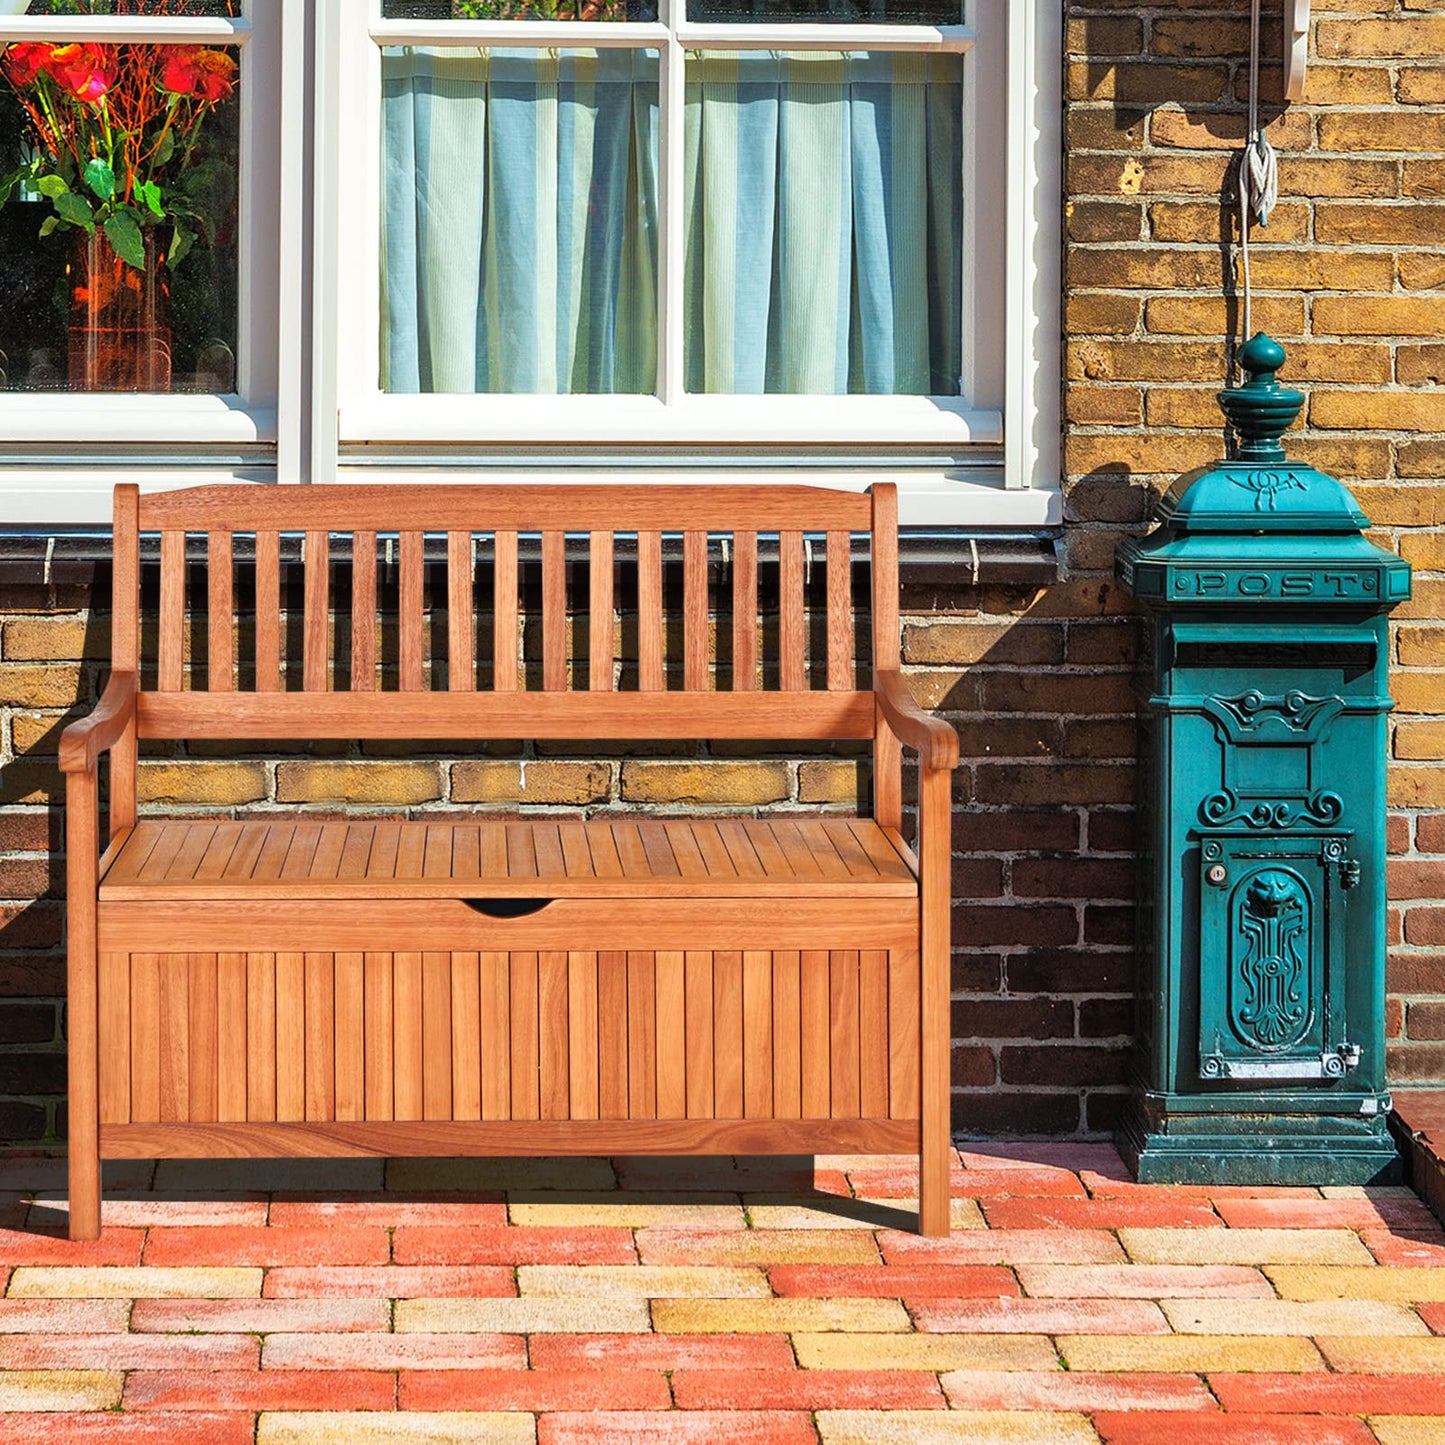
(1263, 669)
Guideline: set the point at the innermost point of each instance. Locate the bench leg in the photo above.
(935, 1025)
(81, 1005)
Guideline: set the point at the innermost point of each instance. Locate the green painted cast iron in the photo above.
(1261, 908)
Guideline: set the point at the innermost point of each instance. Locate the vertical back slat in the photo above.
(887, 751)
(173, 611)
(745, 611)
(694, 610)
(840, 612)
(599, 613)
(268, 612)
(410, 606)
(317, 641)
(790, 611)
(220, 605)
(649, 611)
(461, 668)
(554, 612)
(363, 611)
(125, 644)
(504, 614)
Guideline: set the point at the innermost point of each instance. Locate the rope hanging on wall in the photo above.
(1257, 182)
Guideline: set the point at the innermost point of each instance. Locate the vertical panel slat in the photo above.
(843, 969)
(114, 1037)
(599, 612)
(125, 644)
(525, 1097)
(887, 752)
(202, 1064)
(903, 1044)
(350, 971)
(787, 1037)
(461, 661)
(649, 612)
(554, 1095)
(220, 607)
(363, 611)
(612, 1035)
(582, 1034)
(268, 612)
(407, 1044)
(671, 1037)
(380, 1037)
(466, 1037)
(411, 617)
(436, 1032)
(145, 1058)
(727, 1032)
(697, 984)
(174, 1026)
(816, 1049)
(170, 654)
(757, 1034)
(496, 987)
(840, 612)
(504, 614)
(260, 1037)
(231, 1037)
(873, 1034)
(317, 639)
(790, 611)
(745, 611)
(641, 1036)
(694, 611)
(554, 612)
(290, 1037)
(320, 1036)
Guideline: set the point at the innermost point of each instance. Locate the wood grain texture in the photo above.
(170, 653)
(466, 1036)
(316, 650)
(220, 613)
(612, 1034)
(504, 613)
(350, 1050)
(582, 1035)
(268, 612)
(411, 637)
(792, 633)
(113, 1053)
(840, 612)
(260, 1037)
(694, 611)
(320, 1032)
(650, 641)
(935, 806)
(363, 611)
(671, 1034)
(82, 829)
(496, 989)
(202, 1053)
(727, 1033)
(407, 1037)
(436, 1031)
(554, 612)
(526, 1066)
(599, 612)
(461, 620)
(745, 612)
(553, 1043)
(379, 1067)
(290, 1036)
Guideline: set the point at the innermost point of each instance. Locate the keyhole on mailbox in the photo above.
(1217, 874)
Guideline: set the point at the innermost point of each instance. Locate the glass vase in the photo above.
(120, 317)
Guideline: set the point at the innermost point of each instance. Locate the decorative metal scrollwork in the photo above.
(1269, 1005)
(1267, 485)
(1295, 710)
(1322, 809)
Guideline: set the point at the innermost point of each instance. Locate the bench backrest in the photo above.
(524, 672)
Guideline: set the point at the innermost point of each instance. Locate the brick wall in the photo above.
(1350, 275)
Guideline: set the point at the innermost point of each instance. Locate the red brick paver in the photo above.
(493, 1302)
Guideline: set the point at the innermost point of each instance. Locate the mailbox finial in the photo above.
(1261, 409)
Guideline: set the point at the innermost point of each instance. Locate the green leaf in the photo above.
(166, 149)
(48, 226)
(75, 210)
(8, 183)
(124, 235)
(150, 193)
(100, 178)
(52, 186)
(181, 244)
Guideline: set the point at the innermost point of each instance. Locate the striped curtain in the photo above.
(822, 209)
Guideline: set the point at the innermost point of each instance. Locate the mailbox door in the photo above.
(1272, 950)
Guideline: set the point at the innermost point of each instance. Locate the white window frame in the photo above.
(988, 457)
(174, 439)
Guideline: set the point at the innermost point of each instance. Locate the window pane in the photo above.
(853, 12)
(118, 229)
(616, 10)
(823, 222)
(519, 220)
(133, 7)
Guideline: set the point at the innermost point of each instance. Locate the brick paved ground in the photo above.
(757, 1301)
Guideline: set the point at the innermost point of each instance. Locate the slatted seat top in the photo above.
(292, 857)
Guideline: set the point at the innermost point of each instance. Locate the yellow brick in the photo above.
(1422, 85)
(25, 1390)
(1420, 365)
(1292, 1317)
(1213, 131)
(1379, 315)
(1398, 1282)
(1355, 1355)
(737, 784)
(47, 639)
(1421, 741)
(1421, 646)
(1139, 84)
(1244, 1246)
(517, 1316)
(1104, 405)
(1150, 362)
(134, 1282)
(948, 1427)
(1409, 223)
(1197, 1354)
(1391, 130)
(1378, 410)
(1320, 270)
(674, 1281)
(395, 783)
(531, 782)
(1346, 85)
(1178, 406)
(1415, 787)
(833, 782)
(924, 1352)
(1407, 1429)
(1342, 176)
(31, 686)
(1420, 271)
(1418, 691)
(220, 784)
(1104, 220)
(575, 1210)
(1101, 313)
(36, 732)
(1201, 221)
(1394, 39)
(1396, 506)
(1281, 316)
(408, 1427)
(776, 1316)
(1150, 454)
(751, 1246)
(1424, 178)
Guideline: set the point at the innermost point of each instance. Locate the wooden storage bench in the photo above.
(634, 984)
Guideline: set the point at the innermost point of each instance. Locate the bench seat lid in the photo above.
(296, 857)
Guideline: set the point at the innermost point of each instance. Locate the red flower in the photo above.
(193, 70)
(25, 60)
(83, 71)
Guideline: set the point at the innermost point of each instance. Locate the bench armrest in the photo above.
(82, 743)
(935, 740)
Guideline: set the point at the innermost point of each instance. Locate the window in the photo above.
(754, 238)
